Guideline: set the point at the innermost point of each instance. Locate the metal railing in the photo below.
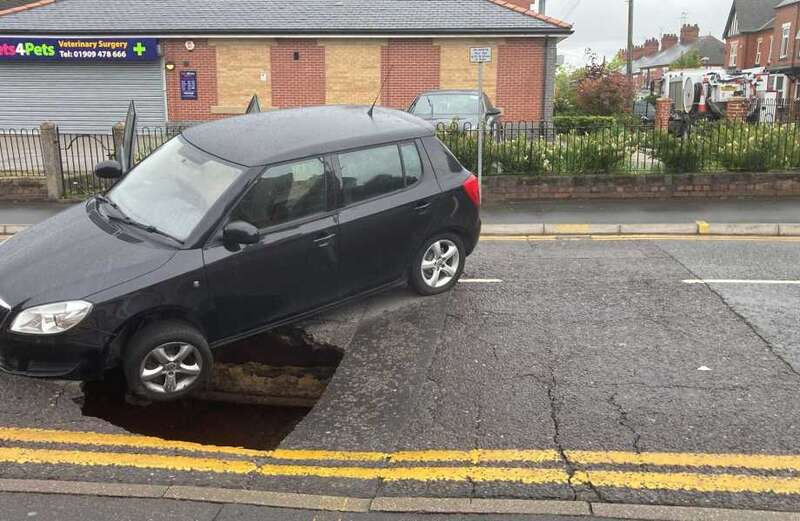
(703, 147)
(20, 153)
(79, 155)
(148, 139)
(81, 152)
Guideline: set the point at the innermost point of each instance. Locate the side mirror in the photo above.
(108, 170)
(240, 232)
(494, 112)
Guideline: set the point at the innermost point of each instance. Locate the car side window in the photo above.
(284, 193)
(412, 164)
(371, 172)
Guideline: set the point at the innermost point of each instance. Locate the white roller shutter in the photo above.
(80, 97)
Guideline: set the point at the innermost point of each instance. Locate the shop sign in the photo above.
(79, 49)
(188, 85)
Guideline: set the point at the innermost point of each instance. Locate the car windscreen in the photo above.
(174, 187)
(435, 105)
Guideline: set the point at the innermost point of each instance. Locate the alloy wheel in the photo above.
(440, 263)
(171, 368)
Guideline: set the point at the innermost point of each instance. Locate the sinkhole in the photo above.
(261, 388)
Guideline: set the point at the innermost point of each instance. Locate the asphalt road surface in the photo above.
(611, 371)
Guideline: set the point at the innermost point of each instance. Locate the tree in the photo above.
(567, 80)
(603, 91)
(688, 60)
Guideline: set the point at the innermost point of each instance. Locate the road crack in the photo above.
(770, 347)
(569, 466)
(623, 421)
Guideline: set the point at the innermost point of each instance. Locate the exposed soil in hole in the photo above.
(261, 388)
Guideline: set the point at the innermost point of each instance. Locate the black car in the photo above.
(228, 230)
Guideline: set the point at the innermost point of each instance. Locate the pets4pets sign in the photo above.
(78, 49)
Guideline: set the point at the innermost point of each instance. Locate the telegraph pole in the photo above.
(630, 38)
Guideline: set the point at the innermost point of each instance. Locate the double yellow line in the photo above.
(695, 472)
(638, 237)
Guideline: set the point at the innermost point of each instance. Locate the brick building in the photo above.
(765, 34)
(653, 58)
(750, 34)
(214, 56)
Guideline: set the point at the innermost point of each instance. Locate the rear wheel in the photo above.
(166, 361)
(438, 265)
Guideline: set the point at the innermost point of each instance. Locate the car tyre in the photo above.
(167, 360)
(438, 264)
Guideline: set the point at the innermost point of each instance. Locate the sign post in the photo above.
(480, 55)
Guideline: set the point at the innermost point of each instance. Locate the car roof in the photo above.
(450, 91)
(282, 135)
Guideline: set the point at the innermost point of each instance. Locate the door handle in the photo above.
(421, 207)
(324, 241)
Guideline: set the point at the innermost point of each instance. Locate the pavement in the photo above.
(584, 377)
(632, 211)
(772, 217)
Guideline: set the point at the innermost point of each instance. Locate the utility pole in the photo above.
(630, 38)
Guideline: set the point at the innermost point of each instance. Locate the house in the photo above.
(79, 62)
(764, 34)
(749, 34)
(651, 60)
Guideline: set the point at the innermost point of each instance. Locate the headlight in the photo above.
(51, 319)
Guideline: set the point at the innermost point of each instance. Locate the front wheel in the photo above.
(438, 265)
(166, 361)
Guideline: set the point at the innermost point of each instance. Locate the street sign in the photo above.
(480, 54)
(189, 85)
(79, 49)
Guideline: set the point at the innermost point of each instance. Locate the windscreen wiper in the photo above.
(149, 228)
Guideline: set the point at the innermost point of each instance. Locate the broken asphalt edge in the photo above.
(523, 230)
(389, 504)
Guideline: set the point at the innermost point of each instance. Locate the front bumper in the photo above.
(76, 356)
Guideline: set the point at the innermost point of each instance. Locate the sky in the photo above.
(602, 24)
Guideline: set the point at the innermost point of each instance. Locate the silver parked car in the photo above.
(461, 106)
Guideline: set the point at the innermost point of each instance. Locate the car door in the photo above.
(388, 198)
(293, 268)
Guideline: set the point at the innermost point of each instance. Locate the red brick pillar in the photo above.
(663, 112)
(737, 109)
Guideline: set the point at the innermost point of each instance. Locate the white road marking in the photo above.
(737, 281)
(481, 281)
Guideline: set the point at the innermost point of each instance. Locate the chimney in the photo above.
(651, 47)
(533, 5)
(638, 52)
(669, 41)
(690, 34)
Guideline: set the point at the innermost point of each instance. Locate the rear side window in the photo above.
(373, 172)
(284, 193)
(443, 160)
(412, 164)
(452, 163)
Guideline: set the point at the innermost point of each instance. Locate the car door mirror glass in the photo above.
(108, 170)
(240, 232)
(494, 112)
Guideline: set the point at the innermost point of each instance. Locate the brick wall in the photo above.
(240, 65)
(521, 78)
(202, 59)
(785, 15)
(408, 67)
(298, 73)
(683, 186)
(23, 189)
(352, 70)
(457, 72)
